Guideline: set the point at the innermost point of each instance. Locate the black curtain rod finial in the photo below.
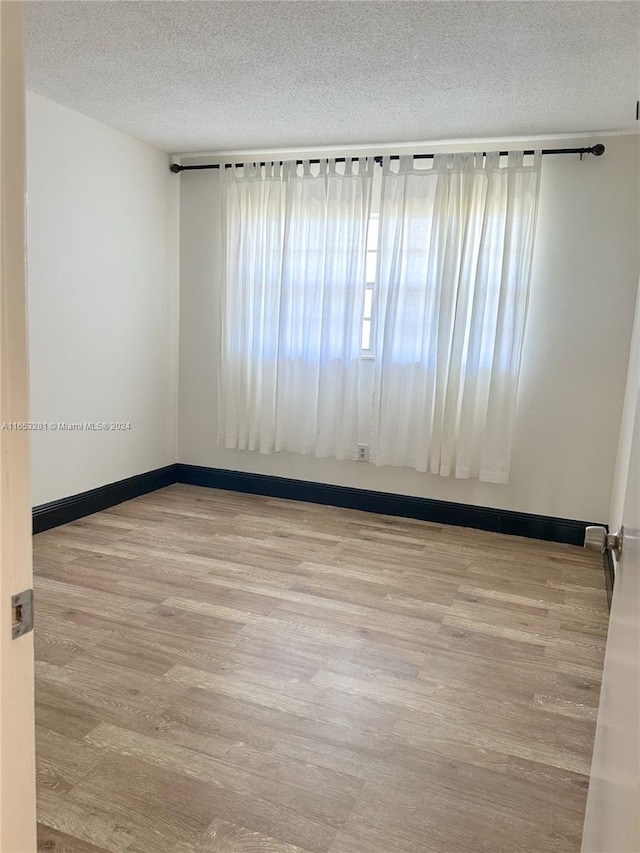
(598, 149)
(176, 167)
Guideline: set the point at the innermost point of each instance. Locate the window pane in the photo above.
(368, 299)
(372, 234)
(366, 334)
(371, 267)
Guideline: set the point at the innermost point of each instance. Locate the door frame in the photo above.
(17, 705)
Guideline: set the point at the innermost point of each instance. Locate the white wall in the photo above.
(103, 300)
(585, 277)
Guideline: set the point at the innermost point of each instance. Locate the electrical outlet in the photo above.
(363, 453)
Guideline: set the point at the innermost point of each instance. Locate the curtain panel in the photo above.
(454, 266)
(291, 306)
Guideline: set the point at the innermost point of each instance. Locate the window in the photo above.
(432, 282)
(371, 267)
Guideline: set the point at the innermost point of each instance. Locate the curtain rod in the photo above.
(596, 150)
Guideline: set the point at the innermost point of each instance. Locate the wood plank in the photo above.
(52, 841)
(169, 807)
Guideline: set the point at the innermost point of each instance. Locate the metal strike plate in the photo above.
(21, 613)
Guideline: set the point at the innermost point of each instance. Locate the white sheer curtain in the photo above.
(291, 306)
(455, 251)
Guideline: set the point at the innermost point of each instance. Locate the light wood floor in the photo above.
(239, 674)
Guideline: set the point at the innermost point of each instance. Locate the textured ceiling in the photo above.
(192, 76)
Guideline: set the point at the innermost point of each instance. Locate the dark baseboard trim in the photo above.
(531, 526)
(68, 509)
(609, 574)
(442, 512)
